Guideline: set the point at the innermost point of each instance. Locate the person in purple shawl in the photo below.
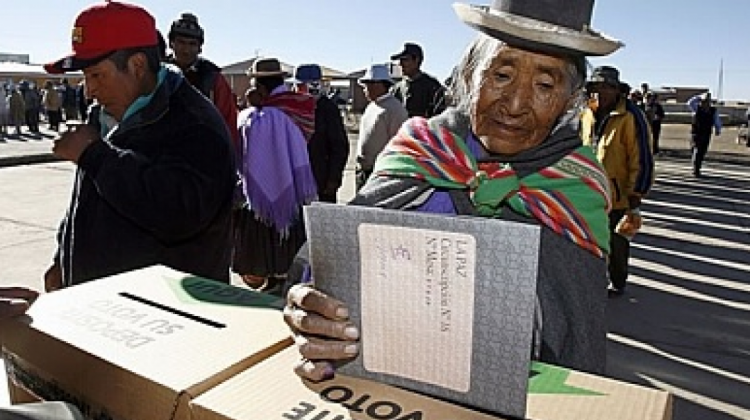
(276, 178)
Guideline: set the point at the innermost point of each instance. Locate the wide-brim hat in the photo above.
(266, 67)
(550, 26)
(376, 73)
(102, 29)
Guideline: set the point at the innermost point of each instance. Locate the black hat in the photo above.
(410, 49)
(187, 26)
(607, 75)
(554, 26)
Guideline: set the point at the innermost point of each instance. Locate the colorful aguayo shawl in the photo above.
(299, 107)
(570, 197)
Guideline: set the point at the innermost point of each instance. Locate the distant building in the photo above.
(14, 58)
(679, 94)
(236, 75)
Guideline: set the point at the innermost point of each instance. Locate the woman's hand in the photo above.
(323, 332)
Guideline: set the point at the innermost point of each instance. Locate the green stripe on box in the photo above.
(548, 379)
(193, 289)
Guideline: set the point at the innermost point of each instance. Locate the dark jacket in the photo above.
(703, 122)
(158, 190)
(206, 76)
(422, 96)
(329, 146)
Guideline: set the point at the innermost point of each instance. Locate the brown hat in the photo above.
(266, 67)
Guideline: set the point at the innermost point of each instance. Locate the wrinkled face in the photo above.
(186, 50)
(607, 94)
(521, 95)
(115, 89)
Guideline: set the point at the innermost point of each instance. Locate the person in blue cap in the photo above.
(329, 146)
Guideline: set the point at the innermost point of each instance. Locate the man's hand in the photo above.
(15, 301)
(72, 143)
(53, 278)
(322, 329)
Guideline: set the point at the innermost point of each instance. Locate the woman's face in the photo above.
(519, 97)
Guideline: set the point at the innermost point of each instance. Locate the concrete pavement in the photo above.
(26, 148)
(682, 326)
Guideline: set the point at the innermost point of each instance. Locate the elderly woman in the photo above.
(508, 149)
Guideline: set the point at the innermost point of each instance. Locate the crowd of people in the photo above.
(170, 166)
(25, 103)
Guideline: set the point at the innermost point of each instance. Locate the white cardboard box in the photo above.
(271, 391)
(139, 345)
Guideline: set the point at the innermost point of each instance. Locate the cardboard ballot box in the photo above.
(139, 345)
(272, 391)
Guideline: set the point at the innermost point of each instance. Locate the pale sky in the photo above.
(668, 42)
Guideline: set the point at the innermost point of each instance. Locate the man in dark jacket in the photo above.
(329, 146)
(156, 170)
(706, 119)
(186, 40)
(655, 114)
(421, 94)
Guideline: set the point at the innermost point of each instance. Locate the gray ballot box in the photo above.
(445, 304)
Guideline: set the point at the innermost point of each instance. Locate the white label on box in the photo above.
(418, 303)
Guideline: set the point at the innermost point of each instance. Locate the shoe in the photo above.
(614, 292)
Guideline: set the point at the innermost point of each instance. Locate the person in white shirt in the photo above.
(381, 120)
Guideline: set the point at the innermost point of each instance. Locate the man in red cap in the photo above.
(156, 172)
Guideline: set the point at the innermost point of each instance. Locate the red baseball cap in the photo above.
(103, 29)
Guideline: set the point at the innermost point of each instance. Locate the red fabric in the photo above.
(227, 106)
(299, 107)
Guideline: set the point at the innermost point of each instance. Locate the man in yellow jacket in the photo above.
(618, 131)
